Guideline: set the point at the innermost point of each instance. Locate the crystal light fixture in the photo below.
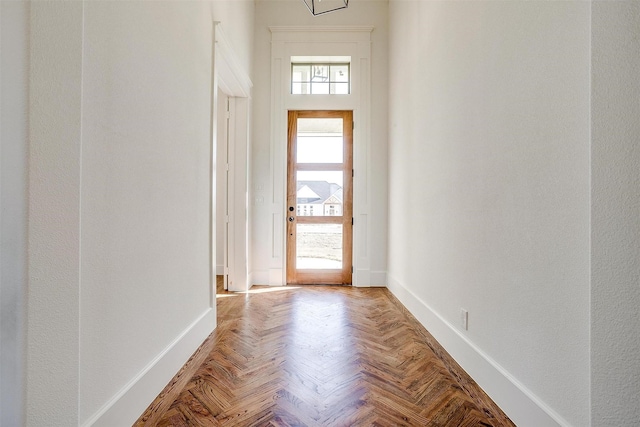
(320, 7)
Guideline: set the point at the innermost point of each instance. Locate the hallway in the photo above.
(320, 356)
(495, 195)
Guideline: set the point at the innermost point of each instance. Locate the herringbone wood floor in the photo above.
(320, 356)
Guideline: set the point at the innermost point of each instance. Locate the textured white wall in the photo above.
(145, 190)
(615, 258)
(120, 127)
(489, 182)
(293, 13)
(14, 28)
(237, 18)
(55, 111)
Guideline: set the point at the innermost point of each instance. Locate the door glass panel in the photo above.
(319, 246)
(320, 141)
(319, 193)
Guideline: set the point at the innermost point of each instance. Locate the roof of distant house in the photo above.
(317, 192)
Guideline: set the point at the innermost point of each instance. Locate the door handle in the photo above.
(291, 219)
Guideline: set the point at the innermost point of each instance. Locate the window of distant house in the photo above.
(316, 78)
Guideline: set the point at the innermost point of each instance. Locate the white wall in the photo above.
(55, 115)
(120, 158)
(14, 18)
(145, 191)
(237, 18)
(294, 13)
(489, 193)
(615, 258)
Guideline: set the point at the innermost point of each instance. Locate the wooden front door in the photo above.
(320, 197)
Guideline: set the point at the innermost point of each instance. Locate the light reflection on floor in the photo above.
(257, 290)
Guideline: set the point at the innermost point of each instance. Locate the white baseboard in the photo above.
(276, 277)
(520, 404)
(362, 278)
(366, 278)
(378, 279)
(128, 404)
(260, 277)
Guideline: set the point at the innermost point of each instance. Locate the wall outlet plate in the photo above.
(464, 319)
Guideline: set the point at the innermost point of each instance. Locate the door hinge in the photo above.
(353, 125)
(352, 269)
(351, 220)
(352, 173)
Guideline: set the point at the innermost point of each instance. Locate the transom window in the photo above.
(314, 78)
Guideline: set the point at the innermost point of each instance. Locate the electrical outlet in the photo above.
(464, 319)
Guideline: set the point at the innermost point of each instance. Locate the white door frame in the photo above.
(229, 77)
(353, 41)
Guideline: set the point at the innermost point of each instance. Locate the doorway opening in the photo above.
(222, 187)
(319, 228)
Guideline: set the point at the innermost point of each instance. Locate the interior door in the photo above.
(320, 197)
(222, 191)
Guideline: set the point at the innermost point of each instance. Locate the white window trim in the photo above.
(292, 41)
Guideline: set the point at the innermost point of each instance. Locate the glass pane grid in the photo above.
(319, 230)
(320, 79)
(319, 142)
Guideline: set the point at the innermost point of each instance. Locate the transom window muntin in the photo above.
(313, 78)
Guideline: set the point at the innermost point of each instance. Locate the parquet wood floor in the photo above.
(320, 356)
